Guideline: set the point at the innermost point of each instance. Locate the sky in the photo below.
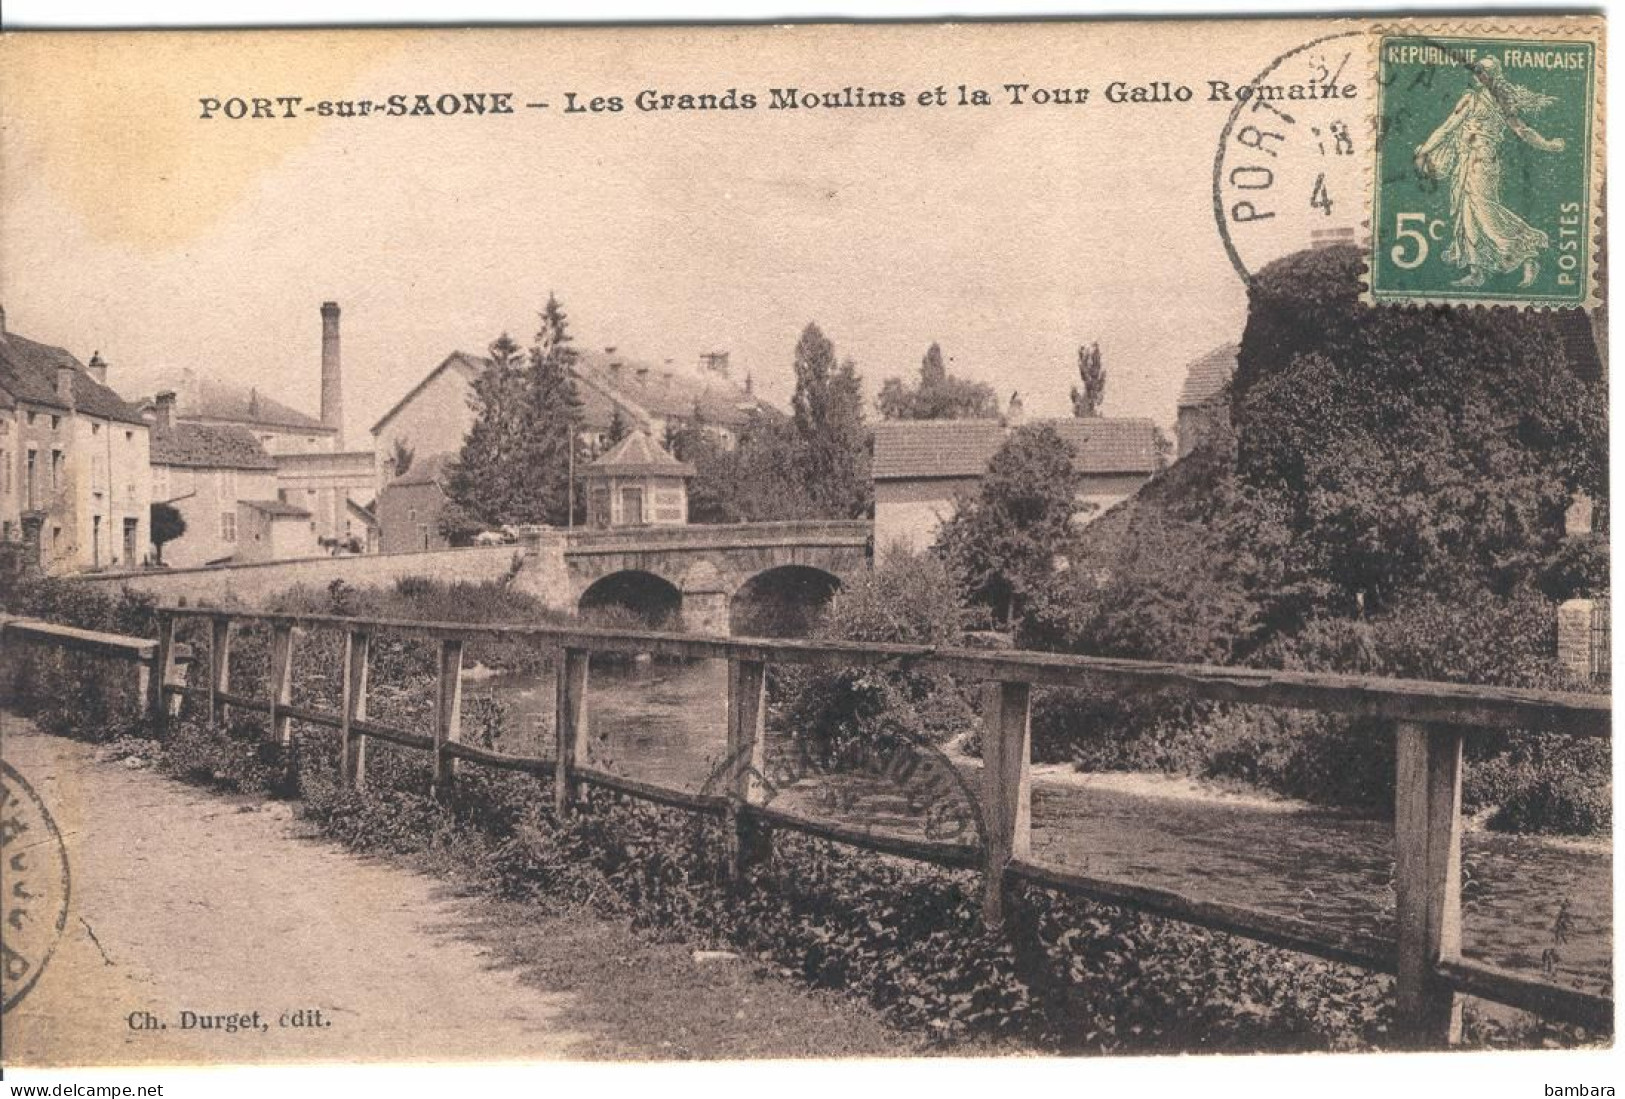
(1009, 234)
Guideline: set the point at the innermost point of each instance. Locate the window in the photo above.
(228, 485)
(59, 470)
(32, 416)
(228, 526)
(33, 473)
(129, 436)
(95, 428)
(56, 422)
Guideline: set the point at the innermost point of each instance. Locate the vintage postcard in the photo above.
(1081, 539)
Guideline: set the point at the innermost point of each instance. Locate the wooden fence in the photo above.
(1430, 720)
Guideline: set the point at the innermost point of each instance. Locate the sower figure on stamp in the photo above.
(1486, 238)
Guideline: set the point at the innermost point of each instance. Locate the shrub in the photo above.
(907, 599)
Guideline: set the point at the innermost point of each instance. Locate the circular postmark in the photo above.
(895, 785)
(1293, 166)
(34, 886)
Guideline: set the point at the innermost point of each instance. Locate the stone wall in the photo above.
(1574, 641)
(249, 585)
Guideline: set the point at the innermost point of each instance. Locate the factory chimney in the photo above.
(332, 379)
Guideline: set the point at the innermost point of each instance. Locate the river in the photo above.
(1523, 896)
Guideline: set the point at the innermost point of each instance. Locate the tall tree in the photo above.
(553, 454)
(938, 396)
(827, 417)
(478, 480)
(516, 461)
(1086, 400)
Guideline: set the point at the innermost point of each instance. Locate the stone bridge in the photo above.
(745, 578)
(733, 578)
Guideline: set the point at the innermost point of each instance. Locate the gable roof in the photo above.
(639, 454)
(469, 366)
(930, 449)
(208, 446)
(28, 373)
(201, 397)
(669, 393)
(1206, 378)
(606, 382)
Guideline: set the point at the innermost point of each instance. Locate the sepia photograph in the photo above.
(1066, 539)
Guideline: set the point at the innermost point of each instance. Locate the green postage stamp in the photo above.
(1487, 174)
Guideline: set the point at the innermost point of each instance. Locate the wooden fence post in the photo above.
(153, 686)
(219, 666)
(353, 749)
(1006, 789)
(448, 724)
(749, 841)
(281, 682)
(1427, 843)
(569, 725)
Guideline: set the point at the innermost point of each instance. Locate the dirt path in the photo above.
(185, 901)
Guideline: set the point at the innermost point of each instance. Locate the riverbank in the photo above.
(275, 916)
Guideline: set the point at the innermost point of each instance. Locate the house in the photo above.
(270, 530)
(637, 484)
(206, 471)
(921, 467)
(314, 470)
(73, 460)
(409, 507)
(1204, 401)
(434, 416)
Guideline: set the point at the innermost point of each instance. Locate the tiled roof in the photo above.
(922, 449)
(200, 397)
(605, 382)
(28, 373)
(277, 509)
(639, 454)
(666, 392)
(429, 469)
(1206, 378)
(208, 446)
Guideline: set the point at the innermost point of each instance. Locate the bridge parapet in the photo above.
(821, 532)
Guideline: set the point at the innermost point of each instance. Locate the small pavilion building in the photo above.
(636, 484)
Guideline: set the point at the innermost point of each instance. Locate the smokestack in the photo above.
(332, 380)
(166, 410)
(98, 368)
(2, 320)
(1018, 412)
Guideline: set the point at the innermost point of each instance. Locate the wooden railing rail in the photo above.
(1430, 720)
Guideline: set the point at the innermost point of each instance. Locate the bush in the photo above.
(906, 599)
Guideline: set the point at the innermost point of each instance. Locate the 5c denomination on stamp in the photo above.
(1486, 182)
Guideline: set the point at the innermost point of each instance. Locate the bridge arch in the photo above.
(781, 601)
(633, 597)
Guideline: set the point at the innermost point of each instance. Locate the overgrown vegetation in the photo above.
(1390, 502)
